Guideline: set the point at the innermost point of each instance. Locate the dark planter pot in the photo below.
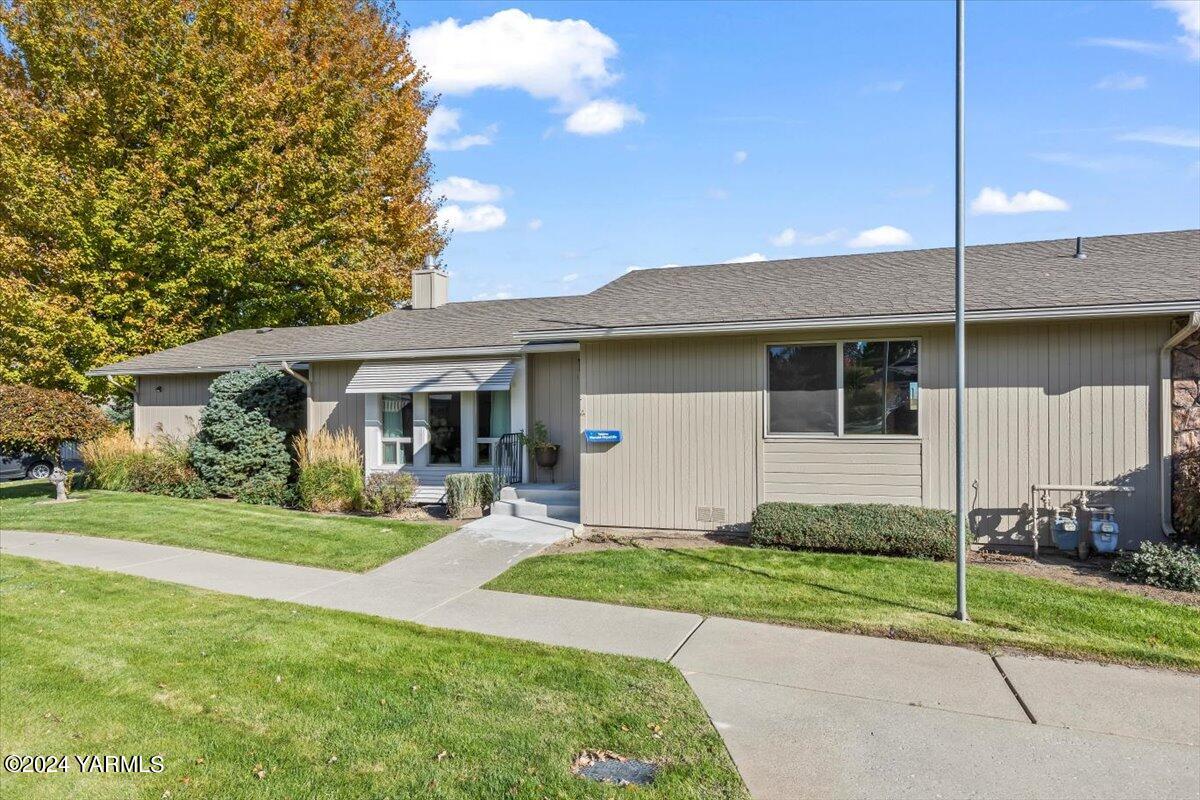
(546, 457)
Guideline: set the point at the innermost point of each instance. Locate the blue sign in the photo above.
(602, 437)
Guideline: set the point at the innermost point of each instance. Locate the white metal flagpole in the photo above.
(960, 324)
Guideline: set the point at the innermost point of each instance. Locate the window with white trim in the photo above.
(493, 419)
(847, 388)
(395, 445)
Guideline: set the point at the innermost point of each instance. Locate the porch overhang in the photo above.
(462, 375)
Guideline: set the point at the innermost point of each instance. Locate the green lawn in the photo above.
(275, 534)
(324, 703)
(905, 598)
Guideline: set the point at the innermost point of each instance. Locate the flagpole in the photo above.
(960, 325)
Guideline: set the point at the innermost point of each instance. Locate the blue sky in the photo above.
(577, 140)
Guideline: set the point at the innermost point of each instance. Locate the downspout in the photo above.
(1167, 392)
(307, 395)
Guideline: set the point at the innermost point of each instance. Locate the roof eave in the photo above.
(816, 323)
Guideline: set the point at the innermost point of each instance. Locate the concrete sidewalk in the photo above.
(804, 713)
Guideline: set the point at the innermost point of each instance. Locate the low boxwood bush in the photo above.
(467, 490)
(388, 492)
(856, 528)
(1164, 565)
(330, 472)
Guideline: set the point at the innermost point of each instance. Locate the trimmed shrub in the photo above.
(856, 528)
(40, 421)
(1185, 497)
(241, 449)
(388, 492)
(330, 476)
(467, 490)
(1164, 565)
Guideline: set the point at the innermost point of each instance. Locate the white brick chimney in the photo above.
(430, 286)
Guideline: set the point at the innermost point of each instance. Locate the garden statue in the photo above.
(59, 479)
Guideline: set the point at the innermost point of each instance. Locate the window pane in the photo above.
(483, 455)
(397, 415)
(863, 368)
(900, 401)
(389, 453)
(406, 449)
(445, 428)
(492, 414)
(802, 381)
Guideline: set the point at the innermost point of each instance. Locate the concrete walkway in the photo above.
(804, 713)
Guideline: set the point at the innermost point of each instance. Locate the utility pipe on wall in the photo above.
(307, 395)
(1167, 392)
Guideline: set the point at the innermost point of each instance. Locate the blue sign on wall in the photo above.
(602, 437)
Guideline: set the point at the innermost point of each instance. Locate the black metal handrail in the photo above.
(506, 460)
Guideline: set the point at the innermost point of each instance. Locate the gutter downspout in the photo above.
(1167, 392)
(307, 394)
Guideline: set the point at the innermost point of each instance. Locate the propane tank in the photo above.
(1065, 531)
(1104, 528)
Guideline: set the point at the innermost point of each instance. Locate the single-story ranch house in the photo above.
(681, 398)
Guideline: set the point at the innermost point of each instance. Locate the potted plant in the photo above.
(545, 452)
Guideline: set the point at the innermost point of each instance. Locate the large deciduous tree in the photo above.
(173, 169)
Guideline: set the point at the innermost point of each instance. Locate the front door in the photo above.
(445, 428)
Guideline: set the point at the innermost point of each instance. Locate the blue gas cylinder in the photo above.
(1104, 529)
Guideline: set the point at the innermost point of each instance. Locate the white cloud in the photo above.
(1121, 82)
(1170, 137)
(564, 60)
(995, 201)
(883, 236)
(884, 87)
(717, 194)
(740, 156)
(789, 236)
(476, 219)
(442, 130)
(466, 190)
(1187, 14)
(749, 258)
(785, 238)
(570, 277)
(493, 296)
(535, 224)
(1132, 45)
(635, 267)
(1092, 164)
(602, 116)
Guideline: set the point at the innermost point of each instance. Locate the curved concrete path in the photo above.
(804, 713)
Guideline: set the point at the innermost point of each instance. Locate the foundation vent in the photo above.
(713, 514)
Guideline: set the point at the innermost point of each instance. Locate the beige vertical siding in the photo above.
(553, 398)
(1055, 402)
(688, 412)
(1048, 403)
(170, 405)
(332, 408)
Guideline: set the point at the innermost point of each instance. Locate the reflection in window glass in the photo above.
(397, 416)
(802, 384)
(879, 381)
(493, 418)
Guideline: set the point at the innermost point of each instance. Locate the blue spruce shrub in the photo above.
(241, 448)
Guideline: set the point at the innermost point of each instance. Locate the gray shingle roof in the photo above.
(1136, 268)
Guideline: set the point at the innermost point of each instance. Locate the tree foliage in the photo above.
(241, 448)
(40, 421)
(174, 169)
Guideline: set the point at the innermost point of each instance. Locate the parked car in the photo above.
(16, 466)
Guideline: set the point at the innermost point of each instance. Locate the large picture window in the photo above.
(864, 388)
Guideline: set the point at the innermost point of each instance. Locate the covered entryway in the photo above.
(553, 398)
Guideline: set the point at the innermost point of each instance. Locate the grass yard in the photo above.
(275, 534)
(905, 598)
(250, 698)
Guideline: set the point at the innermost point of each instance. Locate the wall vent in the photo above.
(714, 514)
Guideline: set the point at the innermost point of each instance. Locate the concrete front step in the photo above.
(550, 503)
(548, 495)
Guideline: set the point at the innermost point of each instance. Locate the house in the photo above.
(816, 380)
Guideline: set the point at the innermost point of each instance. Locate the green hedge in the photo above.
(856, 528)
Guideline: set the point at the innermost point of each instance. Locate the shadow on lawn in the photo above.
(15, 490)
(696, 556)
